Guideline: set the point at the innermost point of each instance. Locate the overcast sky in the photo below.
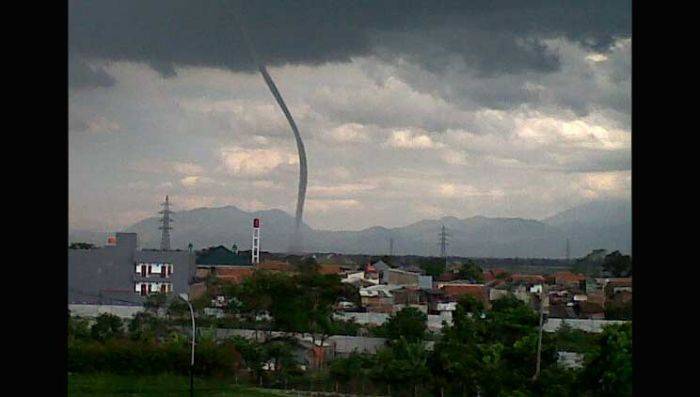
(408, 109)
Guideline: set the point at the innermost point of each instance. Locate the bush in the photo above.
(124, 356)
(107, 326)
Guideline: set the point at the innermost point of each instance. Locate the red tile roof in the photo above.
(567, 277)
(329, 269)
(234, 275)
(527, 278)
(447, 276)
(476, 290)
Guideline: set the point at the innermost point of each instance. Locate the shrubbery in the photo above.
(124, 356)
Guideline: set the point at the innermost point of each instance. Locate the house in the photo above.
(458, 288)
(591, 285)
(378, 298)
(412, 269)
(437, 300)
(447, 276)
(380, 266)
(493, 274)
(223, 264)
(590, 310)
(597, 297)
(401, 277)
(561, 311)
(329, 269)
(612, 287)
(527, 279)
(409, 295)
(568, 279)
(276, 266)
(498, 293)
(580, 298)
(123, 274)
(221, 256)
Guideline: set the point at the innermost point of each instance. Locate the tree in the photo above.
(609, 372)
(471, 305)
(253, 354)
(316, 297)
(345, 370)
(78, 328)
(409, 323)
(81, 246)
(433, 266)
(617, 264)
(404, 363)
(308, 265)
(154, 302)
(471, 271)
(147, 327)
(177, 309)
(107, 326)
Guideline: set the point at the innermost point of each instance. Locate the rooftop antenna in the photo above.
(165, 225)
(568, 251)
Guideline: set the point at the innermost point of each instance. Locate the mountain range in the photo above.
(597, 224)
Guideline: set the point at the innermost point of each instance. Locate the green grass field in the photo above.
(156, 385)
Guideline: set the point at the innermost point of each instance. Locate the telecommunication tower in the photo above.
(165, 225)
(256, 242)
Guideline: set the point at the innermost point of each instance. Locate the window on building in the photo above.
(143, 270)
(170, 270)
(163, 271)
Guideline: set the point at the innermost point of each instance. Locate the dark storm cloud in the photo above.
(495, 37)
(82, 75)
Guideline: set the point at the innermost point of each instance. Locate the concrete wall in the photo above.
(400, 277)
(588, 325)
(434, 320)
(96, 310)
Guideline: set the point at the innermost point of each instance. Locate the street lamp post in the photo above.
(184, 297)
(539, 340)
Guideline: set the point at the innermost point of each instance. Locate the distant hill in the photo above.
(593, 225)
(598, 224)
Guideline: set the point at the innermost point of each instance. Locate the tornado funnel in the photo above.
(296, 245)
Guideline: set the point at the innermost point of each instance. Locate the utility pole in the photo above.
(165, 226)
(568, 252)
(391, 247)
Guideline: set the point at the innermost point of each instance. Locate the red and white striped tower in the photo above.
(256, 241)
